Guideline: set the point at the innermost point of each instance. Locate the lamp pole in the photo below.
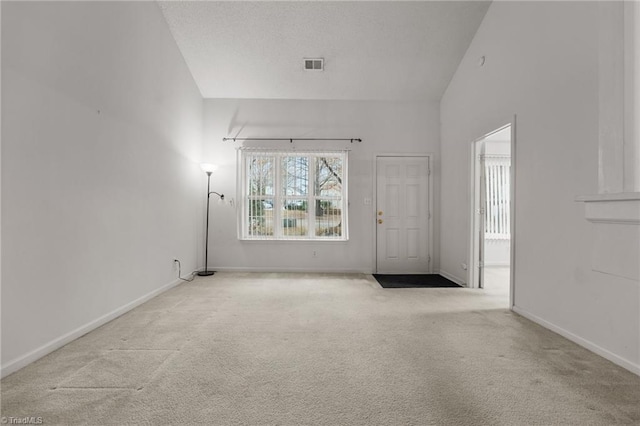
(206, 271)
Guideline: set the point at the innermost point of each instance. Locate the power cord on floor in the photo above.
(193, 274)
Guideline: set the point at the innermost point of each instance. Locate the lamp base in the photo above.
(205, 273)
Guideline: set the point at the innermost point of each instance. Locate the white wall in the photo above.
(0, 186)
(541, 63)
(385, 127)
(493, 147)
(101, 140)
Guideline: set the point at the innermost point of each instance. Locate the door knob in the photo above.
(379, 221)
(380, 213)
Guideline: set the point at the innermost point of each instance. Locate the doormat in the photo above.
(414, 281)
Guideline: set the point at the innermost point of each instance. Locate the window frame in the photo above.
(279, 197)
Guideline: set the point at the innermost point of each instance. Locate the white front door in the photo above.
(402, 215)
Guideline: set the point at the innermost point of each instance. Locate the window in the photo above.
(498, 203)
(289, 195)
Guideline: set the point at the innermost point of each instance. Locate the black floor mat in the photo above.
(413, 281)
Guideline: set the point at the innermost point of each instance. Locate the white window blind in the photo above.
(498, 200)
(290, 195)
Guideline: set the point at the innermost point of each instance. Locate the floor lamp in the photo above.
(208, 169)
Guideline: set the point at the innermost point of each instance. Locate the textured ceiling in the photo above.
(372, 50)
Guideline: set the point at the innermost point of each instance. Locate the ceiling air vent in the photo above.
(313, 64)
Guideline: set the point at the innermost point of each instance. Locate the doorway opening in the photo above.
(492, 222)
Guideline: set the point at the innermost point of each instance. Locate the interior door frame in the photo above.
(472, 276)
(479, 199)
(374, 206)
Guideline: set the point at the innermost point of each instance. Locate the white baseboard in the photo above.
(624, 363)
(296, 270)
(453, 278)
(24, 360)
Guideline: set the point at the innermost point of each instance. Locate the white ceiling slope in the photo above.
(372, 50)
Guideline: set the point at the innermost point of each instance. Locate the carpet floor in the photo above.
(293, 349)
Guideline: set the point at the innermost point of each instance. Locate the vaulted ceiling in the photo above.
(372, 50)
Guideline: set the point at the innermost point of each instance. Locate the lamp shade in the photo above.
(208, 168)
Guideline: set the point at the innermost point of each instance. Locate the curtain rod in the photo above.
(292, 139)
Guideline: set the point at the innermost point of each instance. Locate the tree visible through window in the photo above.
(291, 195)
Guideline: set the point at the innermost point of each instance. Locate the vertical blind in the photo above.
(498, 199)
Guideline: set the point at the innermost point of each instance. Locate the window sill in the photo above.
(620, 208)
(615, 247)
(618, 196)
(285, 240)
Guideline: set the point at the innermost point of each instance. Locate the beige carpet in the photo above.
(293, 349)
